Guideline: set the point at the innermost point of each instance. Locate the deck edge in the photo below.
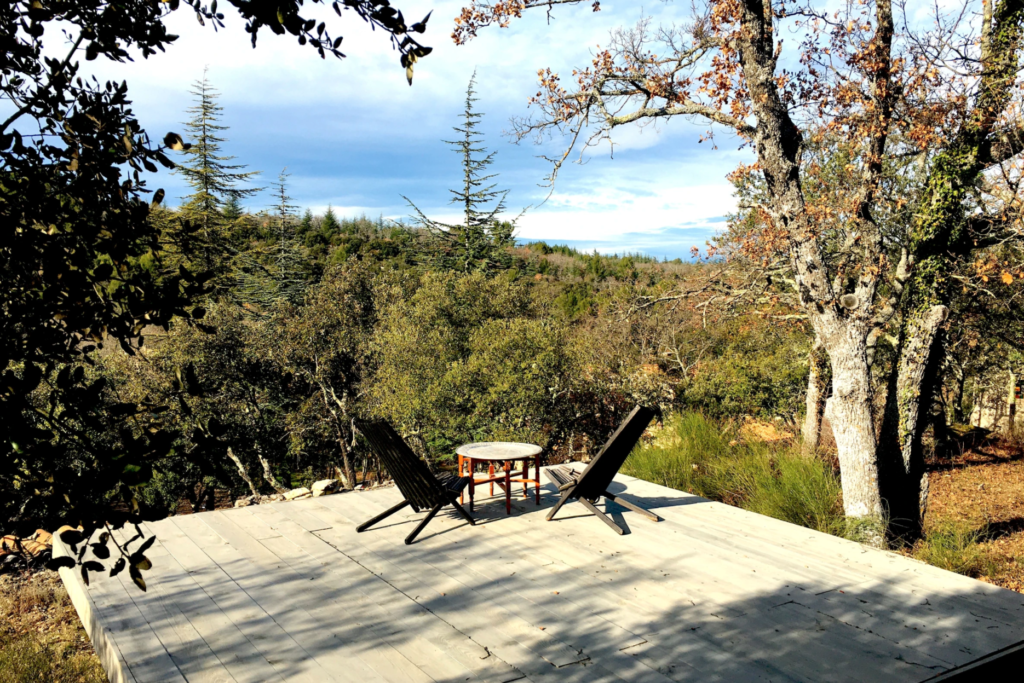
(102, 640)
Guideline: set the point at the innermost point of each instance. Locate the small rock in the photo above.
(242, 502)
(325, 487)
(274, 498)
(296, 494)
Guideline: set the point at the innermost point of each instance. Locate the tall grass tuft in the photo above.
(956, 547)
(695, 454)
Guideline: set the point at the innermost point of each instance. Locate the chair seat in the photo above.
(561, 477)
(453, 483)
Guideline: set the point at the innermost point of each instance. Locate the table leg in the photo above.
(490, 475)
(462, 497)
(508, 487)
(472, 483)
(536, 472)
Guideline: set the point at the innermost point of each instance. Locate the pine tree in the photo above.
(278, 271)
(306, 226)
(330, 225)
(232, 210)
(482, 240)
(289, 269)
(214, 180)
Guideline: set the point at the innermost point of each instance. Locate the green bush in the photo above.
(696, 454)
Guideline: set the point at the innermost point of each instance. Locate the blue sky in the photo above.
(353, 134)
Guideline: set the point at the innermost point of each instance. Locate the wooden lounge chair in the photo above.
(592, 483)
(422, 490)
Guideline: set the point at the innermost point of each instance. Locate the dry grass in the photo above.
(41, 637)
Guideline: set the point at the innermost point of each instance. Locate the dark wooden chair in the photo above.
(422, 490)
(593, 482)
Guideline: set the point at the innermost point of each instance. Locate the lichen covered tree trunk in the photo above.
(851, 417)
(908, 408)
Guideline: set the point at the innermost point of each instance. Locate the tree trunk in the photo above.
(905, 481)
(1011, 406)
(328, 394)
(268, 472)
(819, 380)
(958, 400)
(940, 428)
(850, 414)
(241, 471)
(349, 478)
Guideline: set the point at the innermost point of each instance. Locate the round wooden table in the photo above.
(506, 453)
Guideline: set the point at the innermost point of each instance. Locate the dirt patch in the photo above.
(984, 487)
(41, 637)
(765, 432)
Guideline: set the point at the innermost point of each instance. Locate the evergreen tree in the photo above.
(482, 240)
(278, 270)
(330, 225)
(232, 210)
(306, 226)
(214, 180)
(290, 264)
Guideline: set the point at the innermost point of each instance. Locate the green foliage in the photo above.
(700, 456)
(81, 263)
(576, 299)
(464, 358)
(747, 370)
(330, 225)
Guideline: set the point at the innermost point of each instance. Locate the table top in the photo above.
(498, 450)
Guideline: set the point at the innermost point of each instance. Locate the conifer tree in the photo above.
(232, 210)
(306, 226)
(482, 240)
(330, 225)
(278, 271)
(290, 264)
(214, 179)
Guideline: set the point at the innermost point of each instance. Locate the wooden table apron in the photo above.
(505, 479)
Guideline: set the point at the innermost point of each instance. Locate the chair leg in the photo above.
(426, 520)
(387, 513)
(462, 511)
(626, 504)
(558, 506)
(603, 517)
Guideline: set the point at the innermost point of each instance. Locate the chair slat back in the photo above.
(598, 474)
(411, 474)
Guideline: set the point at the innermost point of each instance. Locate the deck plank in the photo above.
(435, 647)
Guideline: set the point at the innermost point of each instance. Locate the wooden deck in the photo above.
(289, 592)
